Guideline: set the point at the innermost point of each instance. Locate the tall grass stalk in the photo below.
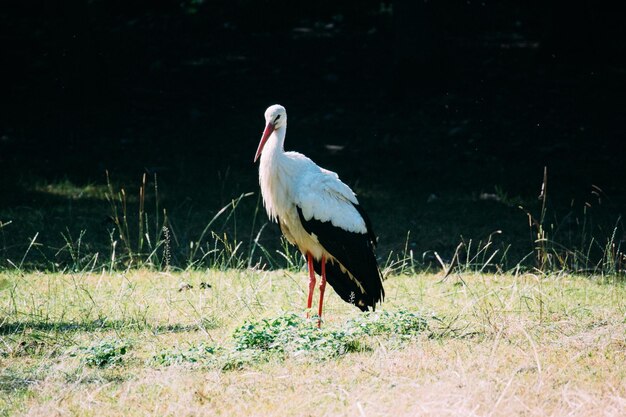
(195, 246)
(587, 254)
(144, 251)
(31, 244)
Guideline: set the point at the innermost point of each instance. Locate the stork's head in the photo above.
(275, 118)
(276, 115)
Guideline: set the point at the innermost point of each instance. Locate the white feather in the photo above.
(324, 197)
(289, 180)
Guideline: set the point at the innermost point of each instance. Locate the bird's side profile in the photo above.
(321, 215)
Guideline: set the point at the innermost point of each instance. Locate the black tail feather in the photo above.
(362, 285)
(347, 289)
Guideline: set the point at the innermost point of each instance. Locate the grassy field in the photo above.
(237, 343)
(126, 175)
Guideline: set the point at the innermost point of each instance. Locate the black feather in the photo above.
(368, 224)
(355, 251)
(347, 289)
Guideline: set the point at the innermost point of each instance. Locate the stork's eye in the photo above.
(276, 119)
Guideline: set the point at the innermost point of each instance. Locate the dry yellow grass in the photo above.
(501, 345)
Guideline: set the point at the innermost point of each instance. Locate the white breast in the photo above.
(279, 176)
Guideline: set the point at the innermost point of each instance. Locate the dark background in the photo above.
(440, 114)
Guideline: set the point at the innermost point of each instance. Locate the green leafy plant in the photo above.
(292, 335)
(398, 323)
(104, 354)
(265, 334)
(198, 354)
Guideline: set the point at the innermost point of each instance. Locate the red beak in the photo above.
(266, 134)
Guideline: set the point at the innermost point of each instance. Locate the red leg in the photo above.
(309, 261)
(322, 289)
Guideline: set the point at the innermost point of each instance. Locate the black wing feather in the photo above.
(368, 224)
(355, 251)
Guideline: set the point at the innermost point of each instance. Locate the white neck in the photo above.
(274, 146)
(271, 179)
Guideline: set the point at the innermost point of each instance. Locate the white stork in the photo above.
(321, 215)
